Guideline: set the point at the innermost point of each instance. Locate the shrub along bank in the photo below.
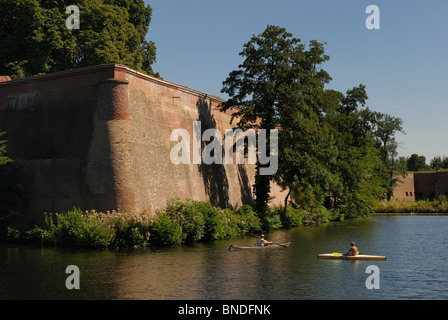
(430, 206)
(180, 222)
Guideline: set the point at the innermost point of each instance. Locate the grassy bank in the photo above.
(422, 207)
(180, 222)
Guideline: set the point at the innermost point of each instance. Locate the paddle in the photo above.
(279, 244)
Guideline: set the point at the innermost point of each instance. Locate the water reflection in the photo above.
(210, 271)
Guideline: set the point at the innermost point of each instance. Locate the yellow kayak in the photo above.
(342, 256)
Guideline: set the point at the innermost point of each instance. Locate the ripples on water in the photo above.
(415, 268)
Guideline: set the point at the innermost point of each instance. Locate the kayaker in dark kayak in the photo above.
(353, 250)
(263, 242)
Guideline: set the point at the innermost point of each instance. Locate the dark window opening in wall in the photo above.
(410, 193)
(407, 194)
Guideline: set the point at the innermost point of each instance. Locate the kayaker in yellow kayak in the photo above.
(263, 242)
(353, 250)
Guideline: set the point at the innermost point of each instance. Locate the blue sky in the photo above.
(404, 64)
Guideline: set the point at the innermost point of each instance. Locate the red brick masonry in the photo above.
(422, 185)
(99, 138)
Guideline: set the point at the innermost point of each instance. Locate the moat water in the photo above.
(415, 246)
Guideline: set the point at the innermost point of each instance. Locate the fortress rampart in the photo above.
(422, 185)
(99, 138)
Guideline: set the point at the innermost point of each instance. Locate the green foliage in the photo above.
(180, 222)
(4, 159)
(249, 221)
(131, 229)
(11, 178)
(292, 216)
(443, 200)
(165, 231)
(76, 229)
(434, 206)
(334, 151)
(124, 229)
(92, 229)
(190, 218)
(439, 162)
(202, 221)
(214, 226)
(270, 220)
(392, 169)
(274, 86)
(418, 163)
(34, 38)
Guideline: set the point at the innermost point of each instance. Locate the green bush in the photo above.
(180, 222)
(131, 229)
(214, 225)
(420, 207)
(75, 228)
(190, 218)
(354, 209)
(270, 220)
(320, 215)
(292, 217)
(200, 220)
(14, 232)
(231, 224)
(248, 220)
(443, 202)
(165, 231)
(336, 215)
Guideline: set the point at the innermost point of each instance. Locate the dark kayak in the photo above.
(279, 245)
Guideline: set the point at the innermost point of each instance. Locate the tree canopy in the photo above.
(274, 87)
(34, 38)
(418, 163)
(439, 162)
(333, 150)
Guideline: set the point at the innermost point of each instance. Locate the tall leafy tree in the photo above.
(306, 142)
(273, 88)
(356, 183)
(386, 127)
(333, 151)
(439, 162)
(34, 38)
(417, 163)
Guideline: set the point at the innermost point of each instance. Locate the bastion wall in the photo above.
(417, 186)
(99, 138)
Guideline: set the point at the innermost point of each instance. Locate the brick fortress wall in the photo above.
(422, 185)
(99, 138)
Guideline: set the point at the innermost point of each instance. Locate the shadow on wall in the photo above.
(246, 189)
(214, 175)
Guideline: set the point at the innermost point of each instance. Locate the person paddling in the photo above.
(353, 250)
(262, 242)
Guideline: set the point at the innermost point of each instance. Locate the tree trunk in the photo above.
(286, 199)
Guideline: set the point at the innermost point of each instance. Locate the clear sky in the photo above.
(404, 64)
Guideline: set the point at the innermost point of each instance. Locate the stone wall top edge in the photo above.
(58, 74)
(168, 83)
(113, 66)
